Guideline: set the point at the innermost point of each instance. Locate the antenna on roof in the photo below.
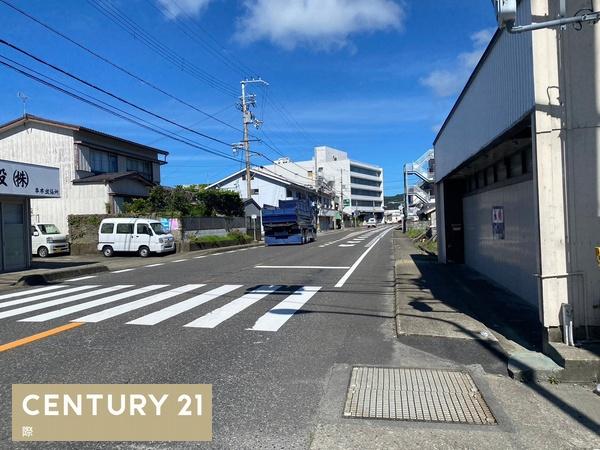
(24, 99)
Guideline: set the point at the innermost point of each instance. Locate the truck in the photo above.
(292, 222)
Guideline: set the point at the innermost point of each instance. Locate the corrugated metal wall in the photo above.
(511, 261)
(499, 96)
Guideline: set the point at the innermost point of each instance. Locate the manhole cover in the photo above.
(428, 395)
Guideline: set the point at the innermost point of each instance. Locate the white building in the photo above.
(358, 185)
(268, 188)
(518, 169)
(98, 172)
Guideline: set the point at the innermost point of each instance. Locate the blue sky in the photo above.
(375, 78)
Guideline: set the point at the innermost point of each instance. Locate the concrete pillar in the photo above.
(549, 169)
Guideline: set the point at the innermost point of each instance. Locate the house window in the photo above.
(288, 193)
(103, 162)
(255, 191)
(144, 168)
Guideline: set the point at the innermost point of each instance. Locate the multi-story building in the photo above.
(98, 172)
(358, 186)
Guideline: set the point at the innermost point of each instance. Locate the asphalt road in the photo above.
(269, 356)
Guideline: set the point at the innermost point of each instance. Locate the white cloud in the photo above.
(449, 81)
(175, 8)
(324, 24)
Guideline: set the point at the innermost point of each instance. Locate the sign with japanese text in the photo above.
(29, 180)
(498, 222)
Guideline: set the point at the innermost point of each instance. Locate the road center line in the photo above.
(359, 260)
(37, 337)
(304, 267)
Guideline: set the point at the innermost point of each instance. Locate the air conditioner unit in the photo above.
(506, 12)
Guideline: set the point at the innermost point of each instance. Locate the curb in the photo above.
(209, 251)
(59, 274)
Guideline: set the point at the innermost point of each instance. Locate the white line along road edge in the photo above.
(359, 260)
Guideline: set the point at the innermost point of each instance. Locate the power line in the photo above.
(110, 94)
(78, 95)
(192, 34)
(284, 113)
(131, 27)
(118, 67)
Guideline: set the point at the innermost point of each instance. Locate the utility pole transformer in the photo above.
(248, 101)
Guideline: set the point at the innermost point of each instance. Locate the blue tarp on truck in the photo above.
(292, 222)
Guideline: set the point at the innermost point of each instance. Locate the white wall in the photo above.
(269, 193)
(500, 95)
(510, 262)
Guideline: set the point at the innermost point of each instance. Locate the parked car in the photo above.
(46, 239)
(372, 222)
(143, 236)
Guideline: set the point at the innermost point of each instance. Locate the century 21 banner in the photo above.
(112, 412)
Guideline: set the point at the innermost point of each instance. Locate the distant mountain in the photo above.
(394, 201)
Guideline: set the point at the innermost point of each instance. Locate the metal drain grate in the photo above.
(429, 395)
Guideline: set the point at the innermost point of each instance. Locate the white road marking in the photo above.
(346, 245)
(155, 265)
(199, 257)
(122, 271)
(359, 260)
(33, 291)
(60, 301)
(178, 308)
(122, 309)
(179, 260)
(82, 278)
(102, 301)
(231, 251)
(219, 315)
(46, 295)
(276, 317)
(304, 267)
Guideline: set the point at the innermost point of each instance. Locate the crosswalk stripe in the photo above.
(178, 308)
(229, 310)
(46, 295)
(122, 309)
(87, 305)
(122, 270)
(60, 301)
(88, 277)
(276, 317)
(32, 291)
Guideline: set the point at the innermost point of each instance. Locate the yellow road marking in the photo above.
(37, 337)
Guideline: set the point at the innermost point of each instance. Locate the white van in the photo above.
(46, 239)
(134, 235)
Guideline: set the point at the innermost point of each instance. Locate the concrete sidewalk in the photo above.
(455, 302)
(451, 317)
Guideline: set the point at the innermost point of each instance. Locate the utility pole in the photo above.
(405, 201)
(342, 196)
(248, 118)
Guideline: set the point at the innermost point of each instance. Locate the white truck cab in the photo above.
(143, 236)
(46, 239)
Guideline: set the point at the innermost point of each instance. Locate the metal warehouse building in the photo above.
(517, 162)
